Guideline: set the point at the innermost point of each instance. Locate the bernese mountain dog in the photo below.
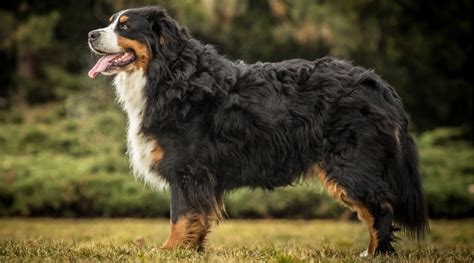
(204, 125)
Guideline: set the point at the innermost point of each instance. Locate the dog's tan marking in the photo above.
(363, 213)
(111, 18)
(142, 52)
(331, 186)
(162, 40)
(177, 234)
(189, 231)
(123, 19)
(157, 154)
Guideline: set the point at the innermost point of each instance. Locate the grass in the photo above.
(27, 240)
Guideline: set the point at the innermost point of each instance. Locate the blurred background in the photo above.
(62, 136)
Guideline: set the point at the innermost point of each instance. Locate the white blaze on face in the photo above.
(108, 41)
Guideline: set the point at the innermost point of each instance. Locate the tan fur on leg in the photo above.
(188, 232)
(363, 213)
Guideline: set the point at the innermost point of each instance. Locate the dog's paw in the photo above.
(364, 254)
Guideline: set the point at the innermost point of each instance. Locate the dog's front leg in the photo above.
(189, 226)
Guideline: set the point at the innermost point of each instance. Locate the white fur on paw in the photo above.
(364, 254)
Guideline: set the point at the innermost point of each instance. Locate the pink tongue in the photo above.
(101, 65)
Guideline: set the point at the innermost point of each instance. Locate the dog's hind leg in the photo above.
(377, 215)
(379, 222)
(383, 218)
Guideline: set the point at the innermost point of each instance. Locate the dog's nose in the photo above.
(94, 35)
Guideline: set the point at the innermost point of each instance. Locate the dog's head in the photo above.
(133, 38)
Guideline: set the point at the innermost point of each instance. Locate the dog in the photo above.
(203, 125)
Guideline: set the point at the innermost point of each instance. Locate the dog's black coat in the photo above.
(224, 125)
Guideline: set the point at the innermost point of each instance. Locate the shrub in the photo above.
(74, 165)
(448, 170)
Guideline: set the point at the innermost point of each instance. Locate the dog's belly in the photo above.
(284, 166)
(141, 149)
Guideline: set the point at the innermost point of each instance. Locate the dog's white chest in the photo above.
(130, 93)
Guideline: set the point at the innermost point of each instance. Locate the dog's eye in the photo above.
(123, 26)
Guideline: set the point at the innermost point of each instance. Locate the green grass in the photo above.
(26, 240)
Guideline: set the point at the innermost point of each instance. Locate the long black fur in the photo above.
(224, 125)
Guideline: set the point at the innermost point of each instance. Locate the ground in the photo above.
(26, 240)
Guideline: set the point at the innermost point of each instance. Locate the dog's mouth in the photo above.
(112, 61)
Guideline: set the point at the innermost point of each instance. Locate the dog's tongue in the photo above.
(101, 65)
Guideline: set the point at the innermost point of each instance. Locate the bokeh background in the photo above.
(62, 136)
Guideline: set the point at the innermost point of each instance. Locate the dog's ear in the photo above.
(169, 35)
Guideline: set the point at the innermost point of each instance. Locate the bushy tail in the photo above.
(410, 211)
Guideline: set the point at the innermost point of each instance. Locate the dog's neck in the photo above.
(129, 87)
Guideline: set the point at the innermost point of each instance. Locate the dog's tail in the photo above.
(410, 211)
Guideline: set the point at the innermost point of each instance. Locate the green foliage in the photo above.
(69, 160)
(302, 201)
(448, 168)
(37, 32)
